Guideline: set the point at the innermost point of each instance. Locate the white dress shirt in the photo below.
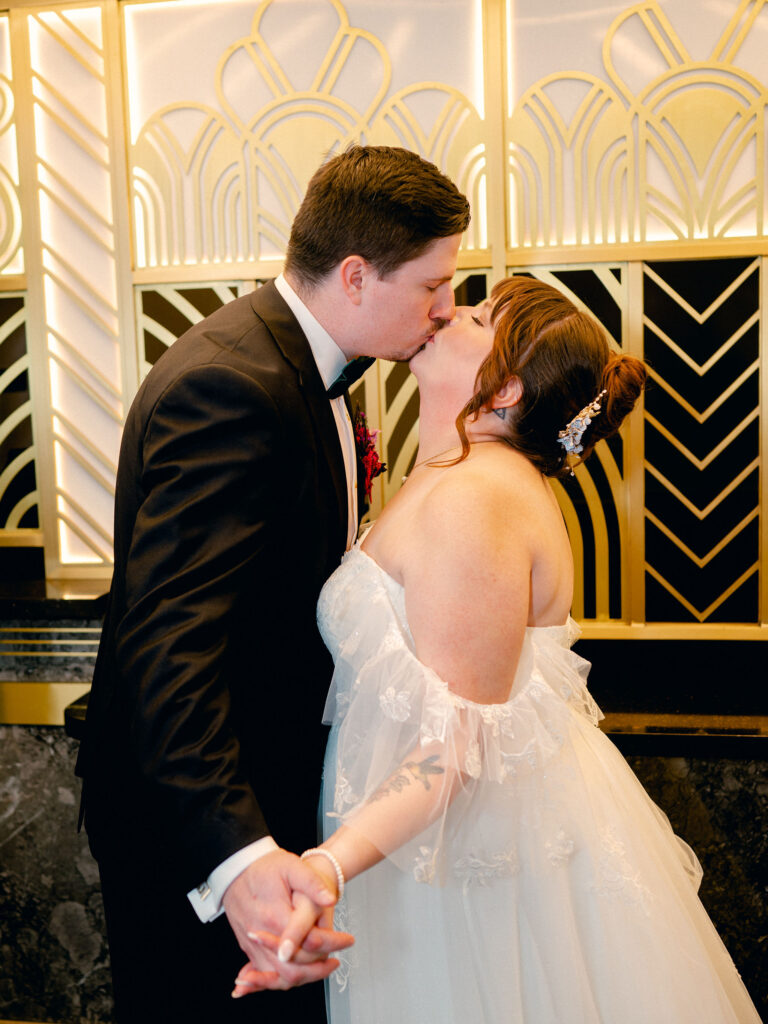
(330, 360)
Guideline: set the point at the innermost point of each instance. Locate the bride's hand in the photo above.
(309, 928)
(296, 937)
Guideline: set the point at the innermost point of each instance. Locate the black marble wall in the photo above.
(720, 807)
(54, 963)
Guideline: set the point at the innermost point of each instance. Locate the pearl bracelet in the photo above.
(336, 866)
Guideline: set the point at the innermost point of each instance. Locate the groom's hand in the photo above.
(259, 900)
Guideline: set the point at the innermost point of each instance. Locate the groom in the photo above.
(236, 497)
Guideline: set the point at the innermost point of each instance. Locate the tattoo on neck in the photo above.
(501, 413)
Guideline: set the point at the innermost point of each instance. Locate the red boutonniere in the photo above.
(365, 440)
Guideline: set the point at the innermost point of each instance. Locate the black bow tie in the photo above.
(353, 371)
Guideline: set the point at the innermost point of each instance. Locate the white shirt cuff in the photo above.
(206, 898)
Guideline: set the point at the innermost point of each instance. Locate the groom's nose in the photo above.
(443, 305)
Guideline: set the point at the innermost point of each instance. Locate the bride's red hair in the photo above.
(563, 360)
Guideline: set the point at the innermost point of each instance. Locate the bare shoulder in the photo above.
(490, 490)
(485, 505)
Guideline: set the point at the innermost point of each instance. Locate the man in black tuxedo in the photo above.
(236, 498)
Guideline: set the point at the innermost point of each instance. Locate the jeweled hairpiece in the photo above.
(570, 438)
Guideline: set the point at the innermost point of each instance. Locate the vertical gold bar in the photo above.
(763, 550)
(633, 567)
(494, 74)
(119, 141)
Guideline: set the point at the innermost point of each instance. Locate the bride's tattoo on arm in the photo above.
(419, 770)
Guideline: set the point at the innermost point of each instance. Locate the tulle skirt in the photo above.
(569, 901)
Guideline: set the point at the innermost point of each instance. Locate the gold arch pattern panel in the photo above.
(11, 252)
(79, 276)
(231, 193)
(682, 158)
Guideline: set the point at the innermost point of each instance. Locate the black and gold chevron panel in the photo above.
(165, 312)
(593, 501)
(702, 441)
(18, 486)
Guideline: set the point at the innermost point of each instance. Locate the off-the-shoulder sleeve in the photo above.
(398, 726)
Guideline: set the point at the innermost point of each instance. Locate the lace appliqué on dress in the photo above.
(395, 705)
(424, 868)
(343, 795)
(559, 849)
(344, 956)
(472, 763)
(617, 877)
(481, 869)
(499, 718)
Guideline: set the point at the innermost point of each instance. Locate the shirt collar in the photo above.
(328, 356)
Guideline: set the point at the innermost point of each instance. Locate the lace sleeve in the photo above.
(409, 759)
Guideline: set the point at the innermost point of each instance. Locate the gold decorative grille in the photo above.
(165, 312)
(76, 291)
(18, 485)
(702, 441)
(678, 156)
(228, 191)
(629, 174)
(11, 251)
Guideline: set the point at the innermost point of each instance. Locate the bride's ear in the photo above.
(509, 395)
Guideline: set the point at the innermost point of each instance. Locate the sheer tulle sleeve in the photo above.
(408, 758)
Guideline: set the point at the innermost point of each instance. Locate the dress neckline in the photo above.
(569, 624)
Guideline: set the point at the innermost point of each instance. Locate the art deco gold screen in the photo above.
(152, 156)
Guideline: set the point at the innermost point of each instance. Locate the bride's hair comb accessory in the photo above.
(570, 438)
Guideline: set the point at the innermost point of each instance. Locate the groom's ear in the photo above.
(353, 272)
(509, 395)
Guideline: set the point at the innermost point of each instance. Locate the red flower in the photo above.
(365, 441)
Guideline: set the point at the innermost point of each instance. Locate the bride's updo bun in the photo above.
(563, 360)
(623, 379)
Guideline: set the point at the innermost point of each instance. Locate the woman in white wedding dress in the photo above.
(499, 861)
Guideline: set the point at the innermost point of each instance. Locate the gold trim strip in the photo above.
(209, 273)
(3, 1021)
(37, 703)
(658, 724)
(672, 249)
(48, 629)
(593, 630)
(13, 283)
(21, 538)
(48, 654)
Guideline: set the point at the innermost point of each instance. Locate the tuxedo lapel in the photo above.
(269, 306)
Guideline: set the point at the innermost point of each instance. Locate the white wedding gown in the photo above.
(549, 890)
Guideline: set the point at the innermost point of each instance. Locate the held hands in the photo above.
(306, 913)
(274, 893)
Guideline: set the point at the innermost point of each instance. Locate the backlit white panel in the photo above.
(80, 286)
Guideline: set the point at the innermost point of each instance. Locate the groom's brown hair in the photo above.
(380, 202)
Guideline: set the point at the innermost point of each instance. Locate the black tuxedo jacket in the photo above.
(203, 729)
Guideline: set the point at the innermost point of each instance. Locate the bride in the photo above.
(494, 856)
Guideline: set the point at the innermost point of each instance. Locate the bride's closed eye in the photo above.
(478, 321)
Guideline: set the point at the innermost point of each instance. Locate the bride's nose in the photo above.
(461, 314)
